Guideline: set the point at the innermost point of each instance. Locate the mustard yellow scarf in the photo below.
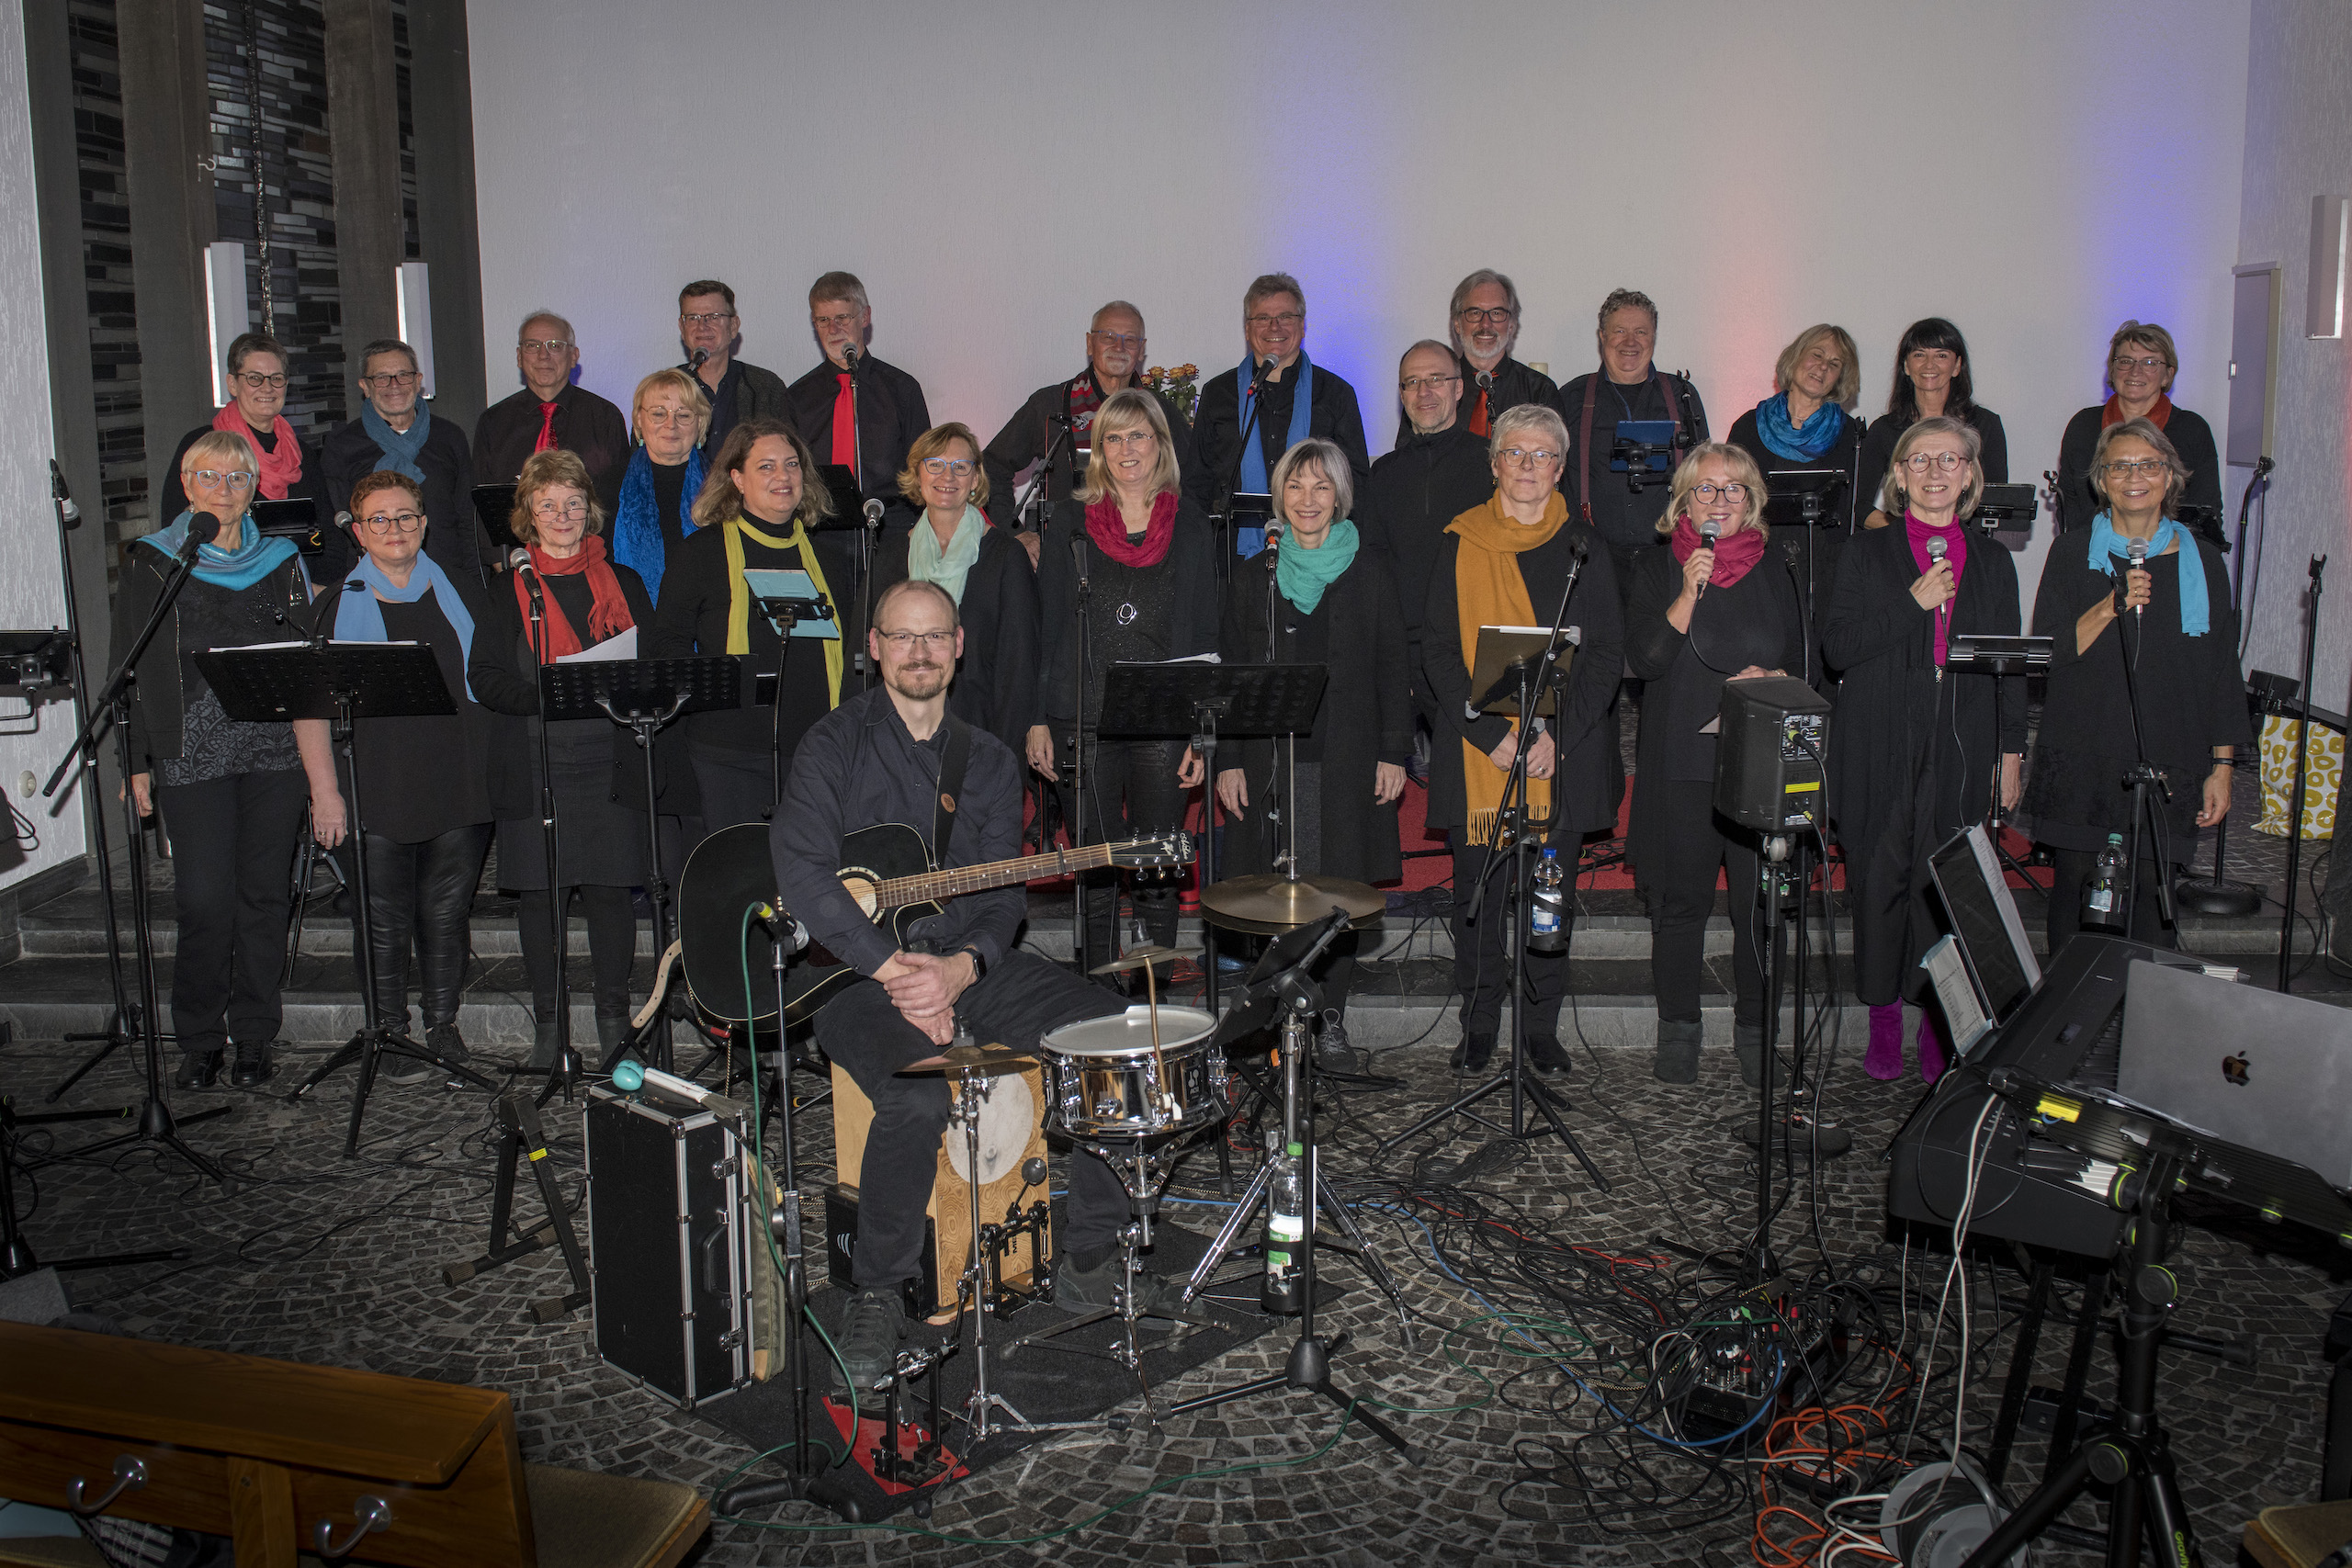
(738, 594)
(1489, 591)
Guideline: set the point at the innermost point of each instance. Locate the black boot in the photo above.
(198, 1069)
(253, 1066)
(543, 1037)
(611, 1034)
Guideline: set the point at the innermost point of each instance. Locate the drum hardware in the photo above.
(1142, 957)
(1271, 905)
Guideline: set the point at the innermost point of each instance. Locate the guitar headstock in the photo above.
(1161, 852)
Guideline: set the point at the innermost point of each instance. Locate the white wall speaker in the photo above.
(2323, 305)
(411, 287)
(227, 309)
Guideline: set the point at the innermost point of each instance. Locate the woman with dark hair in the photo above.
(427, 776)
(1332, 604)
(593, 765)
(1912, 754)
(231, 792)
(2182, 641)
(984, 568)
(285, 468)
(2142, 364)
(1808, 426)
(1153, 595)
(754, 515)
(1702, 613)
(1932, 380)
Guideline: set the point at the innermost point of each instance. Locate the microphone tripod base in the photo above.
(2218, 895)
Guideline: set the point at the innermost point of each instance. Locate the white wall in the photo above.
(994, 172)
(32, 593)
(2299, 145)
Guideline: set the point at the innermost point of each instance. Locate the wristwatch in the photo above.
(979, 963)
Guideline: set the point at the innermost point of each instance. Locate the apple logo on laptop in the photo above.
(2234, 1068)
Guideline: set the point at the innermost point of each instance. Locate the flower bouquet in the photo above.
(1179, 388)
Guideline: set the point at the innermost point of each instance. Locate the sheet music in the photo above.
(621, 645)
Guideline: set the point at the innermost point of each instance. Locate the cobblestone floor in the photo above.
(321, 1260)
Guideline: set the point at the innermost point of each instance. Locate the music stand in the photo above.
(344, 681)
(1189, 698)
(2002, 657)
(641, 695)
(495, 510)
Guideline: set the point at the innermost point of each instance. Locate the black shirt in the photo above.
(1752, 621)
(1878, 451)
(1216, 427)
(1622, 517)
(1416, 491)
(692, 618)
(669, 493)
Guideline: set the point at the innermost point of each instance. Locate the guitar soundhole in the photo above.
(861, 888)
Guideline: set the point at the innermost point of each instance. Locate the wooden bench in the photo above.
(266, 1452)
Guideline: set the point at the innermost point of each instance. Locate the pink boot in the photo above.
(1935, 1053)
(1883, 1060)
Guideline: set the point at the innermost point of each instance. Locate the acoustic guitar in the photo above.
(886, 868)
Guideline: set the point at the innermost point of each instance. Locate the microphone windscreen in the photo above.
(203, 528)
(519, 558)
(2138, 551)
(1935, 550)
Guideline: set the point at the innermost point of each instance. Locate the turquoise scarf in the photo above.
(2110, 552)
(948, 567)
(237, 569)
(359, 618)
(401, 449)
(1303, 574)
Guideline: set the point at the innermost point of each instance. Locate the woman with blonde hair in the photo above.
(1807, 428)
(654, 511)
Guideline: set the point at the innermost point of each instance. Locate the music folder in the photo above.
(1495, 672)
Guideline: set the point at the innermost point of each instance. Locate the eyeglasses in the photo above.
(1118, 340)
(901, 641)
(2131, 467)
(1267, 323)
(235, 479)
(1706, 490)
(835, 323)
(2125, 362)
(543, 345)
(389, 379)
(260, 383)
(945, 467)
(1524, 458)
(1472, 316)
(1125, 438)
(1413, 384)
(387, 522)
(1942, 462)
(575, 507)
(705, 318)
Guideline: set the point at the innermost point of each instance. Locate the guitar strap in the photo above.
(951, 784)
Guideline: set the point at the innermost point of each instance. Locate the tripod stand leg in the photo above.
(344, 1055)
(1222, 1246)
(116, 1033)
(1460, 1103)
(1550, 1104)
(1380, 1428)
(2106, 1459)
(1373, 1267)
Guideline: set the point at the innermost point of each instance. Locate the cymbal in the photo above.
(988, 1061)
(1271, 904)
(1136, 957)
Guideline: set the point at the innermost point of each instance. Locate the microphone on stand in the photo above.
(697, 360)
(1709, 533)
(519, 560)
(2138, 551)
(73, 514)
(872, 510)
(203, 529)
(1265, 368)
(850, 358)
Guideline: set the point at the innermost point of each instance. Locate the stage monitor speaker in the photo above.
(1773, 732)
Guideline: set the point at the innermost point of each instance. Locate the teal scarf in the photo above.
(236, 569)
(2110, 552)
(927, 562)
(401, 449)
(1303, 574)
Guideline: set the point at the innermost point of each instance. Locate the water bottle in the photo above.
(2104, 894)
(1283, 1289)
(1547, 905)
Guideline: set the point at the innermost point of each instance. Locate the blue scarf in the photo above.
(400, 448)
(1798, 443)
(359, 618)
(2195, 611)
(637, 531)
(255, 559)
(1248, 542)
(1304, 574)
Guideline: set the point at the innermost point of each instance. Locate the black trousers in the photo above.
(2074, 870)
(1691, 842)
(612, 944)
(1482, 932)
(419, 896)
(737, 786)
(1020, 999)
(232, 857)
(1131, 791)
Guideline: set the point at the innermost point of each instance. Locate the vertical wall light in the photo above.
(2323, 304)
(411, 288)
(228, 310)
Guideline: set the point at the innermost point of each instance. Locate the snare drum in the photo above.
(1099, 1075)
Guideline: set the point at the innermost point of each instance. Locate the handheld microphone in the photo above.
(697, 359)
(2138, 551)
(1936, 548)
(872, 510)
(65, 498)
(1709, 532)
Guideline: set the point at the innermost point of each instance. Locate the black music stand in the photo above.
(1155, 700)
(344, 681)
(2002, 657)
(495, 510)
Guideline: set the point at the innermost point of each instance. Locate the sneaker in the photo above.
(198, 1069)
(1473, 1054)
(1082, 1290)
(1547, 1055)
(392, 1067)
(253, 1066)
(871, 1329)
(1334, 1050)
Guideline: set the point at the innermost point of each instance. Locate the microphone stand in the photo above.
(850, 359)
(1040, 491)
(2146, 784)
(567, 1069)
(1221, 514)
(2302, 768)
(1076, 817)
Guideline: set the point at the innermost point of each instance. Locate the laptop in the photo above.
(2261, 1069)
(1983, 969)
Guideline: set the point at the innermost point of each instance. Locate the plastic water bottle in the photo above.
(2104, 894)
(1285, 1285)
(1547, 905)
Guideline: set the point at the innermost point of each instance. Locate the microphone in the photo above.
(2138, 551)
(1265, 368)
(872, 510)
(519, 560)
(789, 933)
(342, 521)
(1936, 548)
(1708, 534)
(203, 529)
(65, 498)
(1486, 381)
(850, 358)
(697, 360)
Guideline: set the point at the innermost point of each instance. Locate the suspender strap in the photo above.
(951, 784)
(1584, 451)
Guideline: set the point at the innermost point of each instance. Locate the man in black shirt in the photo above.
(1115, 358)
(1485, 314)
(550, 411)
(880, 758)
(1627, 387)
(738, 389)
(396, 431)
(890, 402)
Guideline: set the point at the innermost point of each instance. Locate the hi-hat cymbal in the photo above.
(1136, 957)
(1271, 904)
(988, 1061)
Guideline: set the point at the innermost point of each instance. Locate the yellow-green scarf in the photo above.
(738, 594)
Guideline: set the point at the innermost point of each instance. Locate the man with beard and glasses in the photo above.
(1485, 317)
(896, 754)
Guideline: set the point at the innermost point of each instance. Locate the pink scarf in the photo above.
(280, 471)
(1955, 537)
(1736, 553)
(1107, 528)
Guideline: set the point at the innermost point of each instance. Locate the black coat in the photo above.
(1878, 451)
(2190, 436)
(1023, 442)
(452, 533)
(337, 555)
(1198, 604)
(1416, 491)
(1514, 384)
(996, 682)
(890, 413)
(1911, 757)
(746, 391)
(1586, 779)
(1812, 553)
(282, 611)
(1216, 431)
(1366, 717)
(1626, 519)
(585, 423)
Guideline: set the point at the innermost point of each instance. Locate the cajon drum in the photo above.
(1011, 1131)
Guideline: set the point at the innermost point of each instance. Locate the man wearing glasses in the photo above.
(890, 410)
(1281, 406)
(1115, 358)
(708, 327)
(550, 414)
(1485, 317)
(396, 432)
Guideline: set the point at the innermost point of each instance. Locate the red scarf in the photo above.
(607, 610)
(1109, 529)
(2112, 415)
(280, 471)
(1736, 554)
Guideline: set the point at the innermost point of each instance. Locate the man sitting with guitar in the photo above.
(894, 755)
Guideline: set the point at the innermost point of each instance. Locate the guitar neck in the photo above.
(931, 887)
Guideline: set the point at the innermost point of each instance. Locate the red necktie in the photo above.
(845, 426)
(545, 443)
(1478, 415)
